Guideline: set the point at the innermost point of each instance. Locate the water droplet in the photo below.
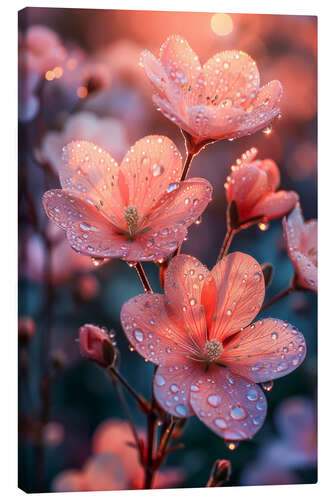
(194, 388)
(231, 445)
(181, 410)
(214, 400)
(252, 395)
(267, 386)
(263, 226)
(138, 334)
(274, 335)
(174, 388)
(267, 130)
(157, 170)
(238, 413)
(220, 423)
(193, 302)
(172, 187)
(160, 381)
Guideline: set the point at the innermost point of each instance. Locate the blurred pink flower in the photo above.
(221, 100)
(296, 422)
(114, 465)
(302, 246)
(65, 263)
(253, 184)
(136, 211)
(108, 133)
(113, 436)
(210, 359)
(26, 328)
(40, 49)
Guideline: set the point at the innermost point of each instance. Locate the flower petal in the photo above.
(183, 284)
(262, 110)
(246, 186)
(184, 71)
(91, 172)
(148, 328)
(172, 383)
(230, 406)
(293, 228)
(272, 172)
(233, 293)
(88, 232)
(154, 71)
(265, 350)
(211, 122)
(232, 78)
(275, 205)
(150, 166)
(183, 204)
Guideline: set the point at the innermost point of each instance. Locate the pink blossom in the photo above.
(114, 464)
(136, 211)
(209, 356)
(40, 49)
(91, 340)
(302, 246)
(253, 184)
(108, 133)
(220, 100)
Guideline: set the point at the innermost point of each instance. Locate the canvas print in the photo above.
(167, 322)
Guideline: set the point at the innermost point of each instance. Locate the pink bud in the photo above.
(93, 342)
(26, 328)
(220, 473)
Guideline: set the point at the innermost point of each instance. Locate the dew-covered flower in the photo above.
(253, 185)
(209, 356)
(302, 246)
(108, 133)
(115, 464)
(220, 100)
(138, 211)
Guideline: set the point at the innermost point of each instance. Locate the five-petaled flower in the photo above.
(209, 356)
(220, 100)
(302, 247)
(138, 211)
(253, 184)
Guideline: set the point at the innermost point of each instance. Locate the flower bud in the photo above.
(220, 473)
(26, 329)
(96, 345)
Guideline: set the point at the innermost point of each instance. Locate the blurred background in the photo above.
(82, 81)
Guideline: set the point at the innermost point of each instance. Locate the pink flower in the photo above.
(253, 185)
(209, 357)
(40, 49)
(136, 211)
(114, 465)
(302, 246)
(108, 133)
(220, 100)
(91, 340)
(113, 436)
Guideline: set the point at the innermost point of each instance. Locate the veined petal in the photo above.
(229, 405)
(172, 383)
(148, 328)
(233, 293)
(182, 204)
(275, 205)
(88, 231)
(232, 78)
(265, 350)
(183, 284)
(148, 168)
(91, 172)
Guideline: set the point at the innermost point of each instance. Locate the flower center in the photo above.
(213, 350)
(132, 218)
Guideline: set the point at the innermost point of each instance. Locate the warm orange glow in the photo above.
(221, 24)
(58, 72)
(82, 92)
(263, 226)
(49, 75)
